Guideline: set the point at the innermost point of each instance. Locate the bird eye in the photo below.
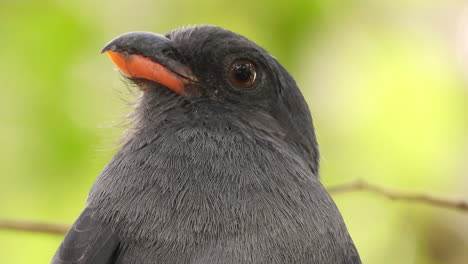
(242, 73)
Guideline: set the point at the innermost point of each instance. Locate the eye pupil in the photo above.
(242, 73)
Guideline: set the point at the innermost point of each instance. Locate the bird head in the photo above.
(214, 77)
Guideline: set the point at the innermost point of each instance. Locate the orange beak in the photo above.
(136, 66)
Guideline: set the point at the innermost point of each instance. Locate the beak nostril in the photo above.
(171, 54)
(167, 52)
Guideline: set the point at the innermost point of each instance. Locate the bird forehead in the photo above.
(210, 39)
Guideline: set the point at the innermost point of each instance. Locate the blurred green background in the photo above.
(386, 81)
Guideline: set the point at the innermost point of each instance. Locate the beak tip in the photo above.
(111, 45)
(108, 47)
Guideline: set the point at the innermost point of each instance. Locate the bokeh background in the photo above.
(386, 81)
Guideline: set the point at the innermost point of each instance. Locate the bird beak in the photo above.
(149, 56)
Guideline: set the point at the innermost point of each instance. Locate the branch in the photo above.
(355, 186)
(31, 226)
(360, 185)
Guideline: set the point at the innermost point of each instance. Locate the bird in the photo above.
(220, 164)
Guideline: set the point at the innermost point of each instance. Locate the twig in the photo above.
(32, 226)
(360, 185)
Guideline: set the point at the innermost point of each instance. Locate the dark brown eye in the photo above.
(242, 73)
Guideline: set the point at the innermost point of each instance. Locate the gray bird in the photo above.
(221, 164)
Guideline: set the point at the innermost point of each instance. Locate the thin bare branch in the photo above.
(360, 185)
(32, 226)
